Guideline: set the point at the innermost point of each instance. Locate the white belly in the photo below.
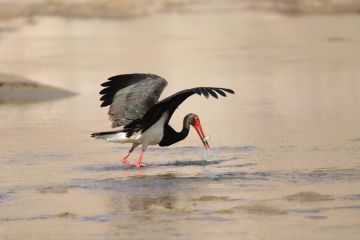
(152, 136)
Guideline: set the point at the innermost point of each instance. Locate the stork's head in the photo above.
(193, 120)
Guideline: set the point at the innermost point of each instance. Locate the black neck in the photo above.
(171, 136)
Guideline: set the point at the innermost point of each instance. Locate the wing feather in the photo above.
(204, 92)
(171, 103)
(212, 93)
(130, 96)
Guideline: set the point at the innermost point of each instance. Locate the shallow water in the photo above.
(286, 146)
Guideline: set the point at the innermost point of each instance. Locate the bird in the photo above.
(144, 120)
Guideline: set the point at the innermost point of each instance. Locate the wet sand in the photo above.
(286, 146)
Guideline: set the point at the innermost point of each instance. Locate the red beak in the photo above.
(198, 128)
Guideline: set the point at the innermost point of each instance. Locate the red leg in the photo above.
(138, 164)
(125, 160)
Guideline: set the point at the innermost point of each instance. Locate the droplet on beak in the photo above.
(206, 138)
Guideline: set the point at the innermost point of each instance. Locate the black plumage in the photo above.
(170, 104)
(134, 106)
(133, 100)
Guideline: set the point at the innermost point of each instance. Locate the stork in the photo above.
(134, 106)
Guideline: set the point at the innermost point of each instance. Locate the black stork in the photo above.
(134, 106)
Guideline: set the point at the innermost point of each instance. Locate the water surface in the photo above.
(286, 145)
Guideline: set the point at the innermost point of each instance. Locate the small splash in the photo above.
(309, 197)
(208, 155)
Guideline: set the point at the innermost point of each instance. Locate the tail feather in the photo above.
(103, 135)
(118, 136)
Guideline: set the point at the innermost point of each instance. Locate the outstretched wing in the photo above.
(170, 104)
(130, 96)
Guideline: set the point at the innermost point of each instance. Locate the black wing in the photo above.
(170, 104)
(130, 96)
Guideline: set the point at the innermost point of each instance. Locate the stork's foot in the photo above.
(126, 161)
(137, 165)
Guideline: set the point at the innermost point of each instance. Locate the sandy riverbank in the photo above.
(18, 89)
(140, 8)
